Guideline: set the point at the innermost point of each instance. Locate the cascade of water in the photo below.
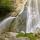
(32, 13)
(28, 17)
(6, 22)
(37, 16)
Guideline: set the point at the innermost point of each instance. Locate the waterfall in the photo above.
(32, 14)
(6, 22)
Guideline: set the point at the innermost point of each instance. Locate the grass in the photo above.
(27, 35)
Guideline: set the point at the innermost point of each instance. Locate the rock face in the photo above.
(8, 36)
(21, 21)
(19, 7)
(19, 24)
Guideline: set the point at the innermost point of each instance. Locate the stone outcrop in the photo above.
(19, 7)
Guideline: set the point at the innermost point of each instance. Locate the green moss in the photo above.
(29, 35)
(20, 35)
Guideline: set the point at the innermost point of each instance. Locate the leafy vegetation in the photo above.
(29, 35)
(6, 6)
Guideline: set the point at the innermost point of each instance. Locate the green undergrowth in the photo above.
(27, 35)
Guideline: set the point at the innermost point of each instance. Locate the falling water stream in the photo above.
(33, 18)
(6, 22)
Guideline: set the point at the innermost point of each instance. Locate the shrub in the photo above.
(5, 7)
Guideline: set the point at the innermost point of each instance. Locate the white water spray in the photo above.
(6, 22)
(32, 13)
